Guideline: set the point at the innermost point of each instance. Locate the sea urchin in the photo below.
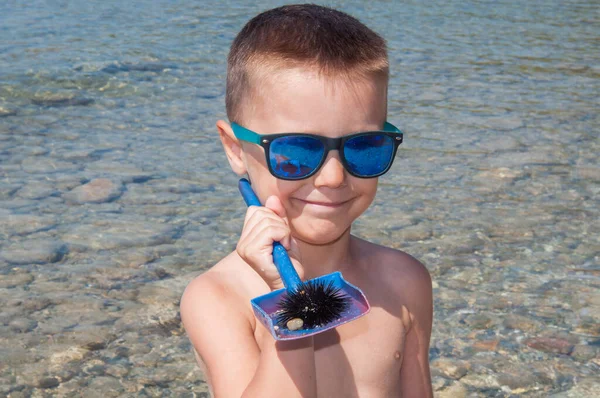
(317, 303)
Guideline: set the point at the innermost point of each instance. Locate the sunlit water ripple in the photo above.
(496, 188)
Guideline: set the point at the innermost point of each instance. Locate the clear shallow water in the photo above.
(496, 188)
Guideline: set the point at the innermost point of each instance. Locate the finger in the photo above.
(257, 241)
(268, 232)
(256, 215)
(276, 206)
(259, 215)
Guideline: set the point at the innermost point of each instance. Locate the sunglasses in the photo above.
(295, 156)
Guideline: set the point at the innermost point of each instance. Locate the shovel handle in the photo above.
(286, 270)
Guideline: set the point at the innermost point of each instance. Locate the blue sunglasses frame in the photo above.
(329, 144)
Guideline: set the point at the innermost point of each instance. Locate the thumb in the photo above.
(275, 204)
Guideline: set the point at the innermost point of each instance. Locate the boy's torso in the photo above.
(361, 358)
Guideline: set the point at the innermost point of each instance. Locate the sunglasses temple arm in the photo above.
(282, 261)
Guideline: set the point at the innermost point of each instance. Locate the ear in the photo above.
(232, 146)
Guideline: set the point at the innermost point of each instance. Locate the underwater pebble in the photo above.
(514, 321)
(116, 234)
(12, 280)
(140, 194)
(59, 359)
(586, 387)
(453, 369)
(109, 385)
(40, 165)
(480, 380)
(34, 251)
(37, 190)
(178, 185)
(23, 224)
(22, 325)
(455, 390)
(32, 304)
(5, 112)
(494, 176)
(548, 344)
(504, 123)
(584, 353)
(587, 173)
(47, 382)
(503, 143)
(431, 96)
(155, 294)
(486, 345)
(438, 382)
(7, 190)
(124, 171)
(518, 378)
(59, 99)
(414, 232)
(96, 191)
(478, 321)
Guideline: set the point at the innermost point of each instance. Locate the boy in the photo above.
(313, 70)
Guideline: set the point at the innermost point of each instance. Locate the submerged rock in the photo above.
(113, 234)
(96, 191)
(54, 101)
(34, 252)
(141, 67)
(7, 112)
(37, 190)
(552, 345)
(23, 224)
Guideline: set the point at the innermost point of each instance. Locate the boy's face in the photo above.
(322, 207)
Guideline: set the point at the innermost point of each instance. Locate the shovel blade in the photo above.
(266, 308)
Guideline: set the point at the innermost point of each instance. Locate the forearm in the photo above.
(285, 369)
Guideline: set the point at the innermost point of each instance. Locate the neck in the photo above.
(324, 259)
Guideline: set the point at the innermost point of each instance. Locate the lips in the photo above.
(324, 203)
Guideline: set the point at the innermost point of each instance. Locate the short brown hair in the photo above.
(331, 41)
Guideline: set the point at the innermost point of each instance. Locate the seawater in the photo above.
(495, 189)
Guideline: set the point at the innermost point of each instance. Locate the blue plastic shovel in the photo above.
(267, 307)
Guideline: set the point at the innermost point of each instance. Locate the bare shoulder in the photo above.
(222, 290)
(392, 263)
(399, 276)
(211, 287)
(214, 313)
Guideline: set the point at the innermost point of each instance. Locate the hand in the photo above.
(262, 227)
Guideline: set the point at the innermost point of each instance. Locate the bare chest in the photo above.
(362, 358)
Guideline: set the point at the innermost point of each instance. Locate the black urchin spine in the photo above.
(317, 303)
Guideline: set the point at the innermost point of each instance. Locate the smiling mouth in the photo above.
(325, 204)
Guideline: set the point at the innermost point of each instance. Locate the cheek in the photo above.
(253, 157)
(367, 188)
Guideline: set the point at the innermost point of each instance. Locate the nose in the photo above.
(332, 173)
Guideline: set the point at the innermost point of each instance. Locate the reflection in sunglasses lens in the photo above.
(295, 156)
(369, 154)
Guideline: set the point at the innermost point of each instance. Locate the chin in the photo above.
(320, 233)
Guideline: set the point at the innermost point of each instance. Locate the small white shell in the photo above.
(295, 324)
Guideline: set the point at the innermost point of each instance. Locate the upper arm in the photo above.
(221, 335)
(415, 378)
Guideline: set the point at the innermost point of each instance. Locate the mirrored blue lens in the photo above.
(295, 156)
(369, 155)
